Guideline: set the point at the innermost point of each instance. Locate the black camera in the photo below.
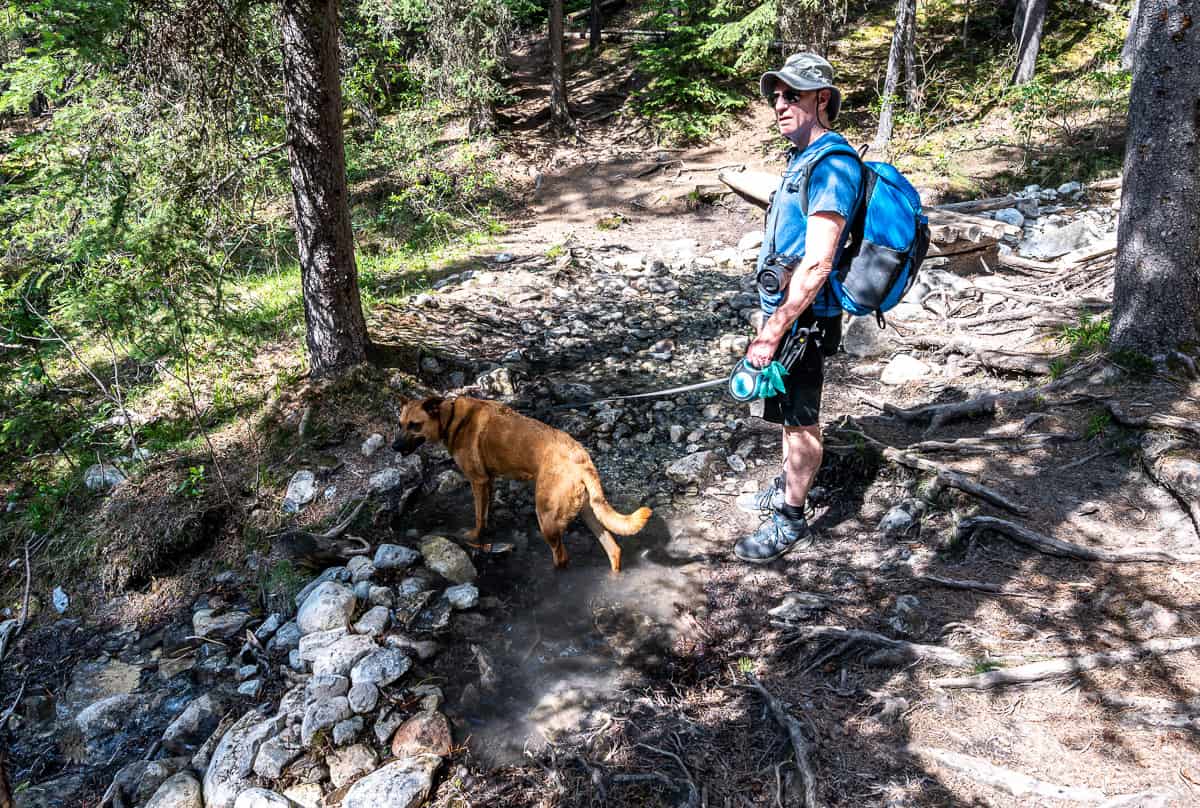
(775, 273)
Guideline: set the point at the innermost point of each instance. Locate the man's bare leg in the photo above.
(802, 452)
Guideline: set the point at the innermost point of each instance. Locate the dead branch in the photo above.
(1065, 666)
(801, 745)
(10, 635)
(979, 205)
(885, 650)
(1016, 783)
(693, 792)
(939, 415)
(989, 444)
(1065, 549)
(955, 479)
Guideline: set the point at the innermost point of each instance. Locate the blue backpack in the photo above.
(888, 237)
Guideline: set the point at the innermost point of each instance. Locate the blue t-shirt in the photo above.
(832, 188)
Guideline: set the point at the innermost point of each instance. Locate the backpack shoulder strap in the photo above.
(806, 170)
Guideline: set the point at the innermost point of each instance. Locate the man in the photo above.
(806, 103)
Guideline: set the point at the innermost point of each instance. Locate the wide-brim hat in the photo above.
(804, 71)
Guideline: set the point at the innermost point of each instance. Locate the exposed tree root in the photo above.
(884, 650)
(1065, 549)
(1019, 784)
(974, 586)
(801, 745)
(939, 415)
(955, 479)
(990, 444)
(1064, 666)
(1152, 421)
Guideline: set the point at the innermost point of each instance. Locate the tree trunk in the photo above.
(1130, 38)
(594, 27)
(1018, 22)
(560, 115)
(336, 331)
(1030, 40)
(6, 800)
(883, 134)
(805, 27)
(1156, 299)
(912, 89)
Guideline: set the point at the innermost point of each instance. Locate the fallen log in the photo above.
(1065, 549)
(755, 187)
(993, 228)
(1065, 666)
(979, 205)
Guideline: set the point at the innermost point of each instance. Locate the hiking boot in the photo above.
(774, 537)
(764, 501)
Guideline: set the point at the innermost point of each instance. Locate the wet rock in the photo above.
(904, 369)
(277, 753)
(102, 476)
(373, 622)
(692, 469)
(395, 557)
(178, 791)
(908, 617)
(363, 697)
(447, 559)
(381, 667)
(286, 638)
(207, 623)
(192, 727)
(340, 657)
(402, 784)
(424, 733)
(101, 722)
(260, 798)
(320, 716)
(328, 607)
(231, 769)
(463, 596)
(372, 444)
(300, 491)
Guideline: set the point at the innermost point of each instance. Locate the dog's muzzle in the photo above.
(406, 444)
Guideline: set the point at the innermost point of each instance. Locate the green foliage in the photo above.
(1097, 424)
(192, 484)
(985, 665)
(1089, 335)
(699, 75)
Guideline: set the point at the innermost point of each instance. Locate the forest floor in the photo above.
(581, 687)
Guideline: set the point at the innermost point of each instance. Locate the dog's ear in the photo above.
(433, 406)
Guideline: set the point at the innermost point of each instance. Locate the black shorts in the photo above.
(800, 403)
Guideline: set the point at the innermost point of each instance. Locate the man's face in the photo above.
(796, 111)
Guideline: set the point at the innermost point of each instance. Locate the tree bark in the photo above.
(912, 89)
(594, 27)
(883, 134)
(1130, 38)
(1156, 297)
(336, 330)
(6, 800)
(1030, 40)
(803, 27)
(560, 115)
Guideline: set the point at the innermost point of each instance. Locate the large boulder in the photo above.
(179, 791)
(402, 784)
(447, 559)
(329, 606)
(231, 769)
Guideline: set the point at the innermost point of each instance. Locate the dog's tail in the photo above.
(623, 524)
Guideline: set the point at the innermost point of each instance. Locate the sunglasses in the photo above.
(789, 96)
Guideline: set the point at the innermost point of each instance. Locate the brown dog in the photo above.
(488, 440)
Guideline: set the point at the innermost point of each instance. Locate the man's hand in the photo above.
(761, 351)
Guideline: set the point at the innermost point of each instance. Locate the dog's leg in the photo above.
(552, 521)
(483, 503)
(606, 539)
